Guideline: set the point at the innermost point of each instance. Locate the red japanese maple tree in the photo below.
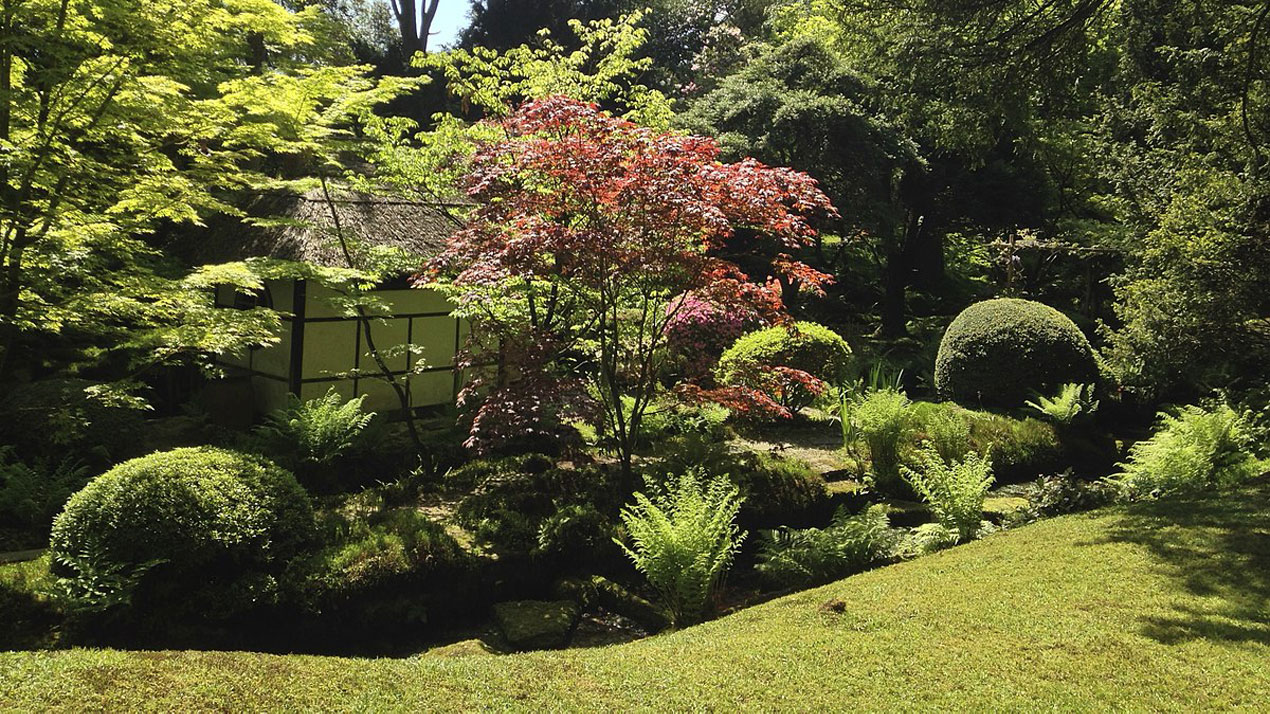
(589, 231)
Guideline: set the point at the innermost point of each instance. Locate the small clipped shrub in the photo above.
(317, 431)
(1060, 494)
(757, 359)
(997, 352)
(205, 528)
(527, 504)
(814, 556)
(882, 421)
(683, 539)
(1072, 403)
(954, 491)
(1197, 449)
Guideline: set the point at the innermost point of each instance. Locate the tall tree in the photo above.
(1182, 138)
(116, 117)
(414, 20)
(798, 105)
(974, 86)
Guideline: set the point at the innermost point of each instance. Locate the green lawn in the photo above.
(1154, 607)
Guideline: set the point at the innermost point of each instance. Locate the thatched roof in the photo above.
(301, 227)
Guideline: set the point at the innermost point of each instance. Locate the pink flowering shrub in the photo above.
(699, 330)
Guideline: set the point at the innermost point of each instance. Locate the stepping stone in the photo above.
(537, 624)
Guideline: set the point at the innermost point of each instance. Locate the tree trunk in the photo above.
(10, 289)
(917, 259)
(928, 260)
(413, 26)
(894, 307)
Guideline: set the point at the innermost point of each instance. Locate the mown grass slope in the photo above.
(1152, 607)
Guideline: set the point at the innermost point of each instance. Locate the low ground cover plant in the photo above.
(812, 556)
(1073, 402)
(683, 538)
(776, 489)
(378, 570)
(1195, 449)
(49, 419)
(892, 430)
(317, 431)
(882, 421)
(31, 495)
(529, 504)
(1059, 494)
(669, 418)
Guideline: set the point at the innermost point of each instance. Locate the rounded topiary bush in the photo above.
(202, 525)
(804, 346)
(998, 352)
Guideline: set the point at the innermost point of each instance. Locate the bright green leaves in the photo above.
(604, 70)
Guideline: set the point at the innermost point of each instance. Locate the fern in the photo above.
(1195, 449)
(1072, 402)
(319, 430)
(954, 491)
(812, 556)
(880, 420)
(684, 538)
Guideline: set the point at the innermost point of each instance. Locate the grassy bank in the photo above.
(1155, 606)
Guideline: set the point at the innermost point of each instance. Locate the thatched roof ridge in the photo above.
(301, 227)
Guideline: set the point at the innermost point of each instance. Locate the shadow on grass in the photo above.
(1217, 548)
(28, 620)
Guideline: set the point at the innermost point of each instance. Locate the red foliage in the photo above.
(584, 222)
(745, 403)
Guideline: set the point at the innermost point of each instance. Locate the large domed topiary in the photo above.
(998, 352)
(196, 525)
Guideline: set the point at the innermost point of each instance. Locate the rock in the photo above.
(598, 590)
(464, 648)
(537, 624)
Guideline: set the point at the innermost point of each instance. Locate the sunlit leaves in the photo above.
(604, 69)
